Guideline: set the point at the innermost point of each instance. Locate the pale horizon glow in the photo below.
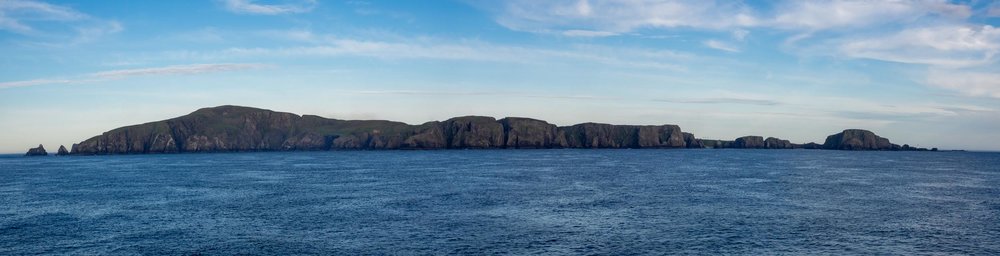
(921, 72)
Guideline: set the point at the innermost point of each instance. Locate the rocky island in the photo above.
(245, 129)
(39, 151)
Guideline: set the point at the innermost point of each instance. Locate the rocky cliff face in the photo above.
(39, 151)
(776, 143)
(749, 142)
(238, 129)
(62, 151)
(856, 139)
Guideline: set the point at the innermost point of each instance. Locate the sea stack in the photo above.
(857, 139)
(39, 151)
(62, 151)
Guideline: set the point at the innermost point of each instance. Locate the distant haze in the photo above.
(917, 72)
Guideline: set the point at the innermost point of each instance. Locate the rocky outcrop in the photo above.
(62, 151)
(716, 143)
(692, 142)
(530, 133)
(39, 151)
(811, 145)
(595, 135)
(776, 143)
(856, 139)
(749, 142)
(241, 129)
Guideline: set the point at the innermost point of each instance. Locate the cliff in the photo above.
(241, 129)
(856, 139)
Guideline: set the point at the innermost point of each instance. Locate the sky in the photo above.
(921, 72)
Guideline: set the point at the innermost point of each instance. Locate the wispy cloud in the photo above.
(587, 33)
(35, 19)
(177, 70)
(742, 101)
(458, 50)
(629, 16)
(619, 16)
(126, 73)
(970, 83)
(719, 45)
(249, 7)
(948, 45)
(718, 100)
(822, 15)
(25, 83)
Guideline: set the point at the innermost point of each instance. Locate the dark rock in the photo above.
(474, 132)
(775, 143)
(856, 139)
(240, 129)
(811, 145)
(62, 151)
(716, 143)
(749, 142)
(39, 151)
(691, 142)
(595, 135)
(530, 133)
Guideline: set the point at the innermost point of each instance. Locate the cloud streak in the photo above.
(176, 70)
(127, 73)
(719, 45)
(249, 7)
(34, 20)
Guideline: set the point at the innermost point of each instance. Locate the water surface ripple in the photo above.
(504, 201)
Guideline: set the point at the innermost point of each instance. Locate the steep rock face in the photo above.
(237, 129)
(530, 133)
(691, 142)
(594, 135)
(856, 139)
(749, 142)
(39, 151)
(474, 132)
(62, 151)
(775, 143)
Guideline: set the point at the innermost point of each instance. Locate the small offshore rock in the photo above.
(39, 151)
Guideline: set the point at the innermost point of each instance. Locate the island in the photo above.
(246, 129)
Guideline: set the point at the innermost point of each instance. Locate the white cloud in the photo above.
(427, 48)
(820, 15)
(718, 45)
(25, 83)
(249, 7)
(587, 33)
(125, 73)
(978, 84)
(25, 17)
(740, 34)
(952, 46)
(620, 16)
(176, 70)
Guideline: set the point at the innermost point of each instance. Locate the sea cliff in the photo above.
(245, 129)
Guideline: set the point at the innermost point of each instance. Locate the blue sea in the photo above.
(552, 202)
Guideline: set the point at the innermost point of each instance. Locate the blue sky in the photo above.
(917, 72)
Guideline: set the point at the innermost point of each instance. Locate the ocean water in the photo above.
(504, 202)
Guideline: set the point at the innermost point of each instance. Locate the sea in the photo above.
(508, 202)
